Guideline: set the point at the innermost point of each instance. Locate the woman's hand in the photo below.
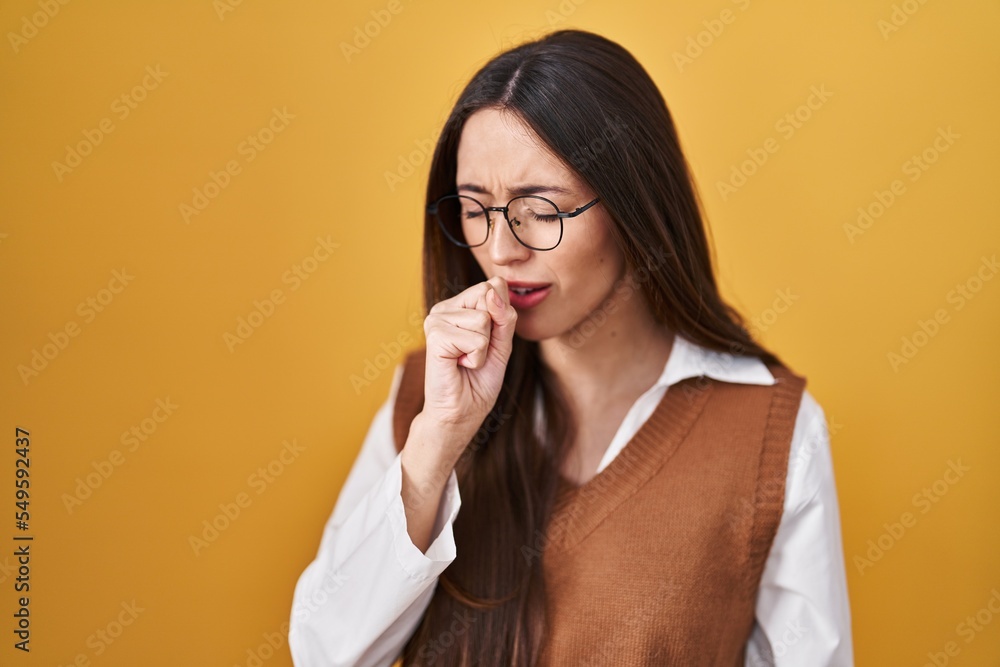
(469, 340)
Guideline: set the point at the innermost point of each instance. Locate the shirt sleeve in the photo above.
(362, 597)
(802, 610)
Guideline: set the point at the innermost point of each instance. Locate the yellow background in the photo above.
(324, 175)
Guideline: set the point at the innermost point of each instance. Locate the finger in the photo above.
(479, 321)
(473, 297)
(504, 318)
(502, 288)
(467, 348)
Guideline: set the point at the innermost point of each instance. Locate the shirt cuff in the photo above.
(441, 551)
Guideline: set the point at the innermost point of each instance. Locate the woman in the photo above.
(640, 482)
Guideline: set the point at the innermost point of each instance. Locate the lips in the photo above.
(524, 295)
(523, 287)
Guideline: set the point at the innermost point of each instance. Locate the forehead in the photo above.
(497, 150)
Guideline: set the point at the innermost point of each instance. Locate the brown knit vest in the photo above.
(657, 559)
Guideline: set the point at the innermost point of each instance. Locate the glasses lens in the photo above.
(463, 220)
(535, 222)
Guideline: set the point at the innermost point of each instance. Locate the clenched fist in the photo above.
(469, 340)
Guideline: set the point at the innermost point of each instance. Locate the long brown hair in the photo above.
(598, 110)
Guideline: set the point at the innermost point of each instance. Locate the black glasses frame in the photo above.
(433, 209)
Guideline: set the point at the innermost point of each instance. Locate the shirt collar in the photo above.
(689, 359)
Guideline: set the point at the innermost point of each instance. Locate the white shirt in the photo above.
(361, 598)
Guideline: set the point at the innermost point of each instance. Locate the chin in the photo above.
(529, 330)
(536, 329)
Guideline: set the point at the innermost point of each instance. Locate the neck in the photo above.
(609, 356)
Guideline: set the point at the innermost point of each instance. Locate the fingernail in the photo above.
(496, 299)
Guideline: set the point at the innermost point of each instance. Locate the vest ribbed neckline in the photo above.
(580, 509)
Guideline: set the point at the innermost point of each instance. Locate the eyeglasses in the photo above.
(535, 221)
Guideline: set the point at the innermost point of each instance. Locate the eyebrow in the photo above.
(517, 190)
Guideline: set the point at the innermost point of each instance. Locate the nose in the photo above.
(502, 245)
